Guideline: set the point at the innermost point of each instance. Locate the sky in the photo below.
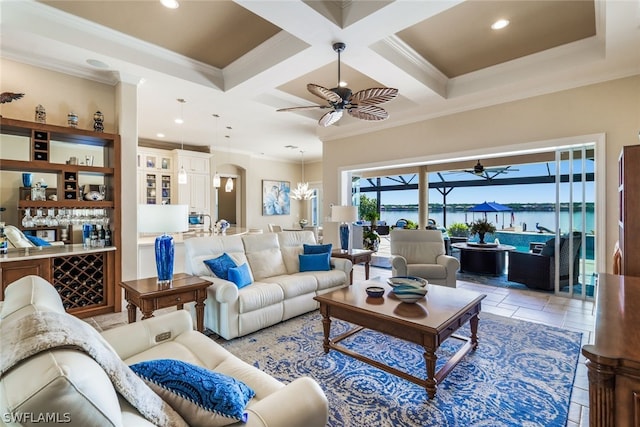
(504, 194)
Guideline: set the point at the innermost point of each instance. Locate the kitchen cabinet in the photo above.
(196, 193)
(155, 176)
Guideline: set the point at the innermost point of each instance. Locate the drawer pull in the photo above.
(178, 299)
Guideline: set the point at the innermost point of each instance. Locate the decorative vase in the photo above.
(344, 236)
(72, 120)
(98, 121)
(481, 235)
(27, 179)
(41, 114)
(164, 259)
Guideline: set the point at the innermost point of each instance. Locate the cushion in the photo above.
(317, 249)
(220, 266)
(240, 275)
(315, 262)
(37, 240)
(202, 397)
(549, 248)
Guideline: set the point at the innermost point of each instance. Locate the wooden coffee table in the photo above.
(148, 296)
(428, 323)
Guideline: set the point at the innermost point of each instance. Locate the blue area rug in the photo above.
(521, 374)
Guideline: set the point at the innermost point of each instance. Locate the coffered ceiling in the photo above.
(245, 59)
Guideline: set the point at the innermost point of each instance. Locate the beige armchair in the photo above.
(421, 253)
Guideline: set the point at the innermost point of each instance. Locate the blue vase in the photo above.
(27, 179)
(164, 258)
(344, 236)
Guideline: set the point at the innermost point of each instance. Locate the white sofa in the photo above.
(279, 290)
(69, 383)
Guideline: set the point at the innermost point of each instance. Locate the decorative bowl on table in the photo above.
(375, 291)
(407, 280)
(409, 293)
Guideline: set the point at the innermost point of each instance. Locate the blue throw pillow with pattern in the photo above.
(220, 266)
(202, 397)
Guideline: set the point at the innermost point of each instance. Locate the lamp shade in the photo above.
(344, 213)
(163, 218)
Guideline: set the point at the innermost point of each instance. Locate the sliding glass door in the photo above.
(575, 235)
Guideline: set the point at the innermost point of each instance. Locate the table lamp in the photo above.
(163, 219)
(345, 215)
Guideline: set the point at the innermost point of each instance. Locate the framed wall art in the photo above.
(275, 198)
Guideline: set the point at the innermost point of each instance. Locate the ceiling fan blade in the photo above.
(330, 118)
(324, 93)
(308, 107)
(374, 95)
(368, 112)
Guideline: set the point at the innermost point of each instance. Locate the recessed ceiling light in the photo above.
(160, 135)
(179, 121)
(96, 63)
(170, 4)
(499, 24)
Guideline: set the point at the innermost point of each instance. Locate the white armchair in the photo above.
(421, 253)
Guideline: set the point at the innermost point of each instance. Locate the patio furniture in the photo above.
(537, 270)
(421, 253)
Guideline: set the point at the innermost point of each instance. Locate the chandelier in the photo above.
(302, 191)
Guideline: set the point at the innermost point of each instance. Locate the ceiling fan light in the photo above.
(170, 4)
(500, 24)
(228, 187)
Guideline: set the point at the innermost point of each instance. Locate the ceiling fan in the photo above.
(488, 173)
(361, 105)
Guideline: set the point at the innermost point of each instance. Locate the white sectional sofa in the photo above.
(279, 290)
(70, 386)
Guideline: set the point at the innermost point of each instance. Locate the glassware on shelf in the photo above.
(27, 220)
(39, 220)
(51, 220)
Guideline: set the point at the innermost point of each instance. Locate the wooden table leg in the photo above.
(131, 312)
(326, 327)
(366, 270)
(431, 384)
(147, 314)
(200, 312)
(473, 322)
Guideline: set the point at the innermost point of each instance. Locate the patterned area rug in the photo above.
(521, 374)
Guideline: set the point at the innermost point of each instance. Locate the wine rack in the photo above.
(79, 279)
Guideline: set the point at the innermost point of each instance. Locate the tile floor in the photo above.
(527, 305)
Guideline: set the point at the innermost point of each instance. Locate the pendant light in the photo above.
(182, 173)
(302, 191)
(216, 176)
(228, 187)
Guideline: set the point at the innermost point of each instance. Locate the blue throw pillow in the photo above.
(317, 249)
(37, 240)
(220, 266)
(240, 275)
(315, 262)
(202, 397)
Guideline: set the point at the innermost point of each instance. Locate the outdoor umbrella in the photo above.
(491, 207)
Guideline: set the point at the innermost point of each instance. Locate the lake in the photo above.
(526, 219)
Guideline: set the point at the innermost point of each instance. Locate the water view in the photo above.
(526, 219)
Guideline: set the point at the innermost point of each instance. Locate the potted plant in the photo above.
(481, 227)
(458, 229)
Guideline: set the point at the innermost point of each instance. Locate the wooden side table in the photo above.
(356, 256)
(148, 296)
